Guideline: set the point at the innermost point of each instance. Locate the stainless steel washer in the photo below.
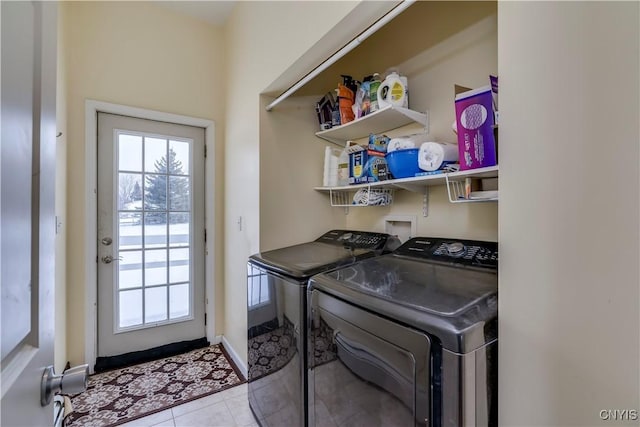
(277, 316)
(406, 339)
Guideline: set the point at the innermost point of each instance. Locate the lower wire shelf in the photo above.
(365, 196)
(461, 191)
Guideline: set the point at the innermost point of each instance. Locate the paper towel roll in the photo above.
(434, 155)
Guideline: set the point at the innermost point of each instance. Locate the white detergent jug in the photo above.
(393, 91)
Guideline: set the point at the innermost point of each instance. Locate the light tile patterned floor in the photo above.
(228, 408)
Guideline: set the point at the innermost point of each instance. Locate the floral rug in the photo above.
(122, 395)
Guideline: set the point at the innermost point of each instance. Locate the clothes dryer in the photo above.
(277, 315)
(406, 339)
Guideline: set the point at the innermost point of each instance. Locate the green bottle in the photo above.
(373, 93)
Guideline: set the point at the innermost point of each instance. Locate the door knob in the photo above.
(72, 381)
(108, 259)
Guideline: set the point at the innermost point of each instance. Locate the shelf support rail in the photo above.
(425, 202)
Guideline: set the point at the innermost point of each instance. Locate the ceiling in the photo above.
(213, 12)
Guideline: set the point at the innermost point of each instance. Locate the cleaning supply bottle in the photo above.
(393, 91)
(343, 166)
(335, 113)
(346, 98)
(373, 93)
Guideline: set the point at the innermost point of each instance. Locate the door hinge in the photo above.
(205, 235)
(205, 151)
(205, 319)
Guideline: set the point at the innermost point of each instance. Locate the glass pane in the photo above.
(130, 308)
(178, 301)
(130, 153)
(130, 270)
(155, 192)
(130, 230)
(264, 288)
(179, 229)
(178, 193)
(155, 230)
(181, 150)
(255, 290)
(155, 155)
(155, 267)
(178, 265)
(129, 191)
(155, 304)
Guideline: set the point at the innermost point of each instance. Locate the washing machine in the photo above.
(406, 339)
(277, 317)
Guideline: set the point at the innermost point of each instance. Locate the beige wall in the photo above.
(60, 345)
(264, 39)
(291, 165)
(135, 54)
(569, 208)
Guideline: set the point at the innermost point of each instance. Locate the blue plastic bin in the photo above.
(403, 163)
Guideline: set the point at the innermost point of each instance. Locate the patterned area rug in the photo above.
(122, 395)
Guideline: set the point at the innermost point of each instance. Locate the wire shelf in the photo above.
(459, 191)
(365, 196)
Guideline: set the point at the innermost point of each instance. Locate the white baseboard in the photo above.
(215, 340)
(234, 356)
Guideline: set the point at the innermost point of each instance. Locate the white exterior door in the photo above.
(27, 228)
(151, 234)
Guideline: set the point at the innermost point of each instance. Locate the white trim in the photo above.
(235, 357)
(92, 108)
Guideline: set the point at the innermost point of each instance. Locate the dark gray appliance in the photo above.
(406, 339)
(277, 313)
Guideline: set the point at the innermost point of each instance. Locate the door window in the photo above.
(154, 210)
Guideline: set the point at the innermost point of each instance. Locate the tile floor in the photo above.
(228, 408)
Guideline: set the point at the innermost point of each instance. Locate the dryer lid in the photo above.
(304, 260)
(458, 305)
(335, 248)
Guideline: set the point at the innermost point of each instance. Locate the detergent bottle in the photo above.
(393, 91)
(373, 93)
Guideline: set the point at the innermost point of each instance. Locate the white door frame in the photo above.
(92, 108)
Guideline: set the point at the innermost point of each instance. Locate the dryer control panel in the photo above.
(474, 253)
(359, 239)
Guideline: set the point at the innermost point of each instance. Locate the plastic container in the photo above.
(373, 93)
(343, 168)
(403, 163)
(393, 91)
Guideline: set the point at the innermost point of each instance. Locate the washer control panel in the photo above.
(464, 252)
(356, 239)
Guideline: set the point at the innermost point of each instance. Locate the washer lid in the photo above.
(456, 304)
(304, 260)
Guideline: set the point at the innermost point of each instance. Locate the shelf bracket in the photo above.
(425, 202)
(426, 123)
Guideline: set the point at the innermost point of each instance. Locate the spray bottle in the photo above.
(346, 98)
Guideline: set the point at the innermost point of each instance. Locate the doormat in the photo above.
(137, 357)
(122, 395)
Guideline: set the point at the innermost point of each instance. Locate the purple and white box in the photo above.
(475, 120)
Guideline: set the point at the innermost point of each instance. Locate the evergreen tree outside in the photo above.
(156, 191)
(136, 193)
